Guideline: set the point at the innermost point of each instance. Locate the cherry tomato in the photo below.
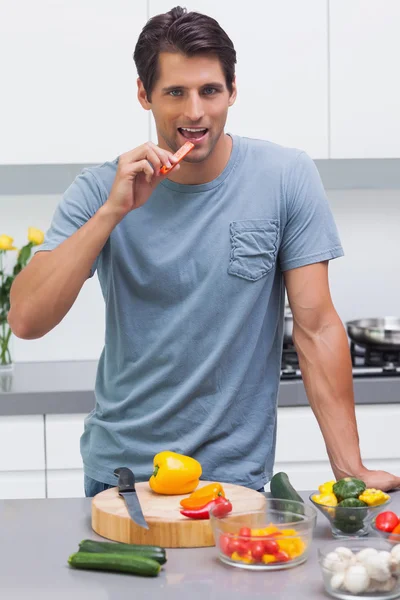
(386, 521)
(282, 556)
(224, 541)
(257, 550)
(245, 532)
(239, 546)
(270, 546)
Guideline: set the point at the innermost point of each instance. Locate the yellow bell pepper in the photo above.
(327, 488)
(174, 473)
(326, 499)
(373, 497)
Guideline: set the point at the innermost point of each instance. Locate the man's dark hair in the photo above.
(190, 33)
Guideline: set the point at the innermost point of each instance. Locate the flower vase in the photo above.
(6, 339)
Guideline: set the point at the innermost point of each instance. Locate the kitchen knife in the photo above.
(126, 487)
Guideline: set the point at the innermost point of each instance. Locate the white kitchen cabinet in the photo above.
(282, 69)
(365, 88)
(22, 457)
(63, 433)
(69, 80)
(22, 484)
(301, 452)
(22, 443)
(64, 462)
(65, 483)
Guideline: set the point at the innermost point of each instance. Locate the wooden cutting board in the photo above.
(167, 527)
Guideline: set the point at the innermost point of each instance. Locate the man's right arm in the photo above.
(47, 287)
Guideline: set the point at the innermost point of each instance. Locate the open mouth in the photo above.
(193, 134)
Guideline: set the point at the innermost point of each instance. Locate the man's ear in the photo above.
(142, 95)
(232, 97)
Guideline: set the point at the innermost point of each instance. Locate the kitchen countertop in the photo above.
(66, 387)
(39, 535)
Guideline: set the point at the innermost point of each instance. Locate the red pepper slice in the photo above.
(221, 507)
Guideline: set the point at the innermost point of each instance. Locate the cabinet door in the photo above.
(22, 443)
(22, 484)
(281, 69)
(63, 433)
(365, 88)
(65, 483)
(69, 80)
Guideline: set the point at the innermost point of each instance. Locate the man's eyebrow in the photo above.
(170, 88)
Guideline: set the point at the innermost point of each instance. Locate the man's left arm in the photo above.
(321, 343)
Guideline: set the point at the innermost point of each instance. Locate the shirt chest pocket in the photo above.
(253, 247)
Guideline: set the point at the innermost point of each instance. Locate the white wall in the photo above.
(364, 283)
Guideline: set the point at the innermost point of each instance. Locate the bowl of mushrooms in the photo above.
(356, 568)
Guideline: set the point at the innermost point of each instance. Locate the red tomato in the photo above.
(257, 550)
(224, 541)
(270, 546)
(282, 556)
(386, 521)
(245, 532)
(239, 546)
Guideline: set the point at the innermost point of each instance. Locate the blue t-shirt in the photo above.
(194, 293)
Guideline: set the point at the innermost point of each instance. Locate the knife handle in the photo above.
(126, 479)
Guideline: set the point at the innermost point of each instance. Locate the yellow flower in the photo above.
(6, 242)
(36, 236)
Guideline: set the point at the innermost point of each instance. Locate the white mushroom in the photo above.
(388, 585)
(356, 579)
(337, 581)
(333, 562)
(379, 586)
(344, 553)
(395, 552)
(386, 555)
(366, 552)
(377, 567)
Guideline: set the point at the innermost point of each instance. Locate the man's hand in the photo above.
(137, 176)
(380, 480)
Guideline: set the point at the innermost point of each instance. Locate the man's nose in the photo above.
(194, 110)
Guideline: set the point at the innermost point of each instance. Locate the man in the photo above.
(193, 266)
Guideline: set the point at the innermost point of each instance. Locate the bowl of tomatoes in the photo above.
(277, 536)
(387, 525)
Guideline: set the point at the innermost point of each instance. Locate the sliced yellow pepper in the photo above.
(373, 497)
(245, 559)
(327, 488)
(203, 495)
(174, 473)
(326, 499)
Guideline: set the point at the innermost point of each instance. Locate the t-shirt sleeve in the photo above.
(310, 234)
(79, 203)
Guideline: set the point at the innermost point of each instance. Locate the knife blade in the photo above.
(126, 488)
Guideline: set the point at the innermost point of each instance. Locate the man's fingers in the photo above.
(150, 151)
(143, 166)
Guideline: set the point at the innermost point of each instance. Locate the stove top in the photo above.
(367, 361)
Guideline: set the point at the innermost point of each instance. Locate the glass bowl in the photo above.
(277, 536)
(349, 522)
(375, 577)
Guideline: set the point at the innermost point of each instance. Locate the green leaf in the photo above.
(24, 254)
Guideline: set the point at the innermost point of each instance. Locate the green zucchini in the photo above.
(125, 563)
(282, 489)
(155, 552)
